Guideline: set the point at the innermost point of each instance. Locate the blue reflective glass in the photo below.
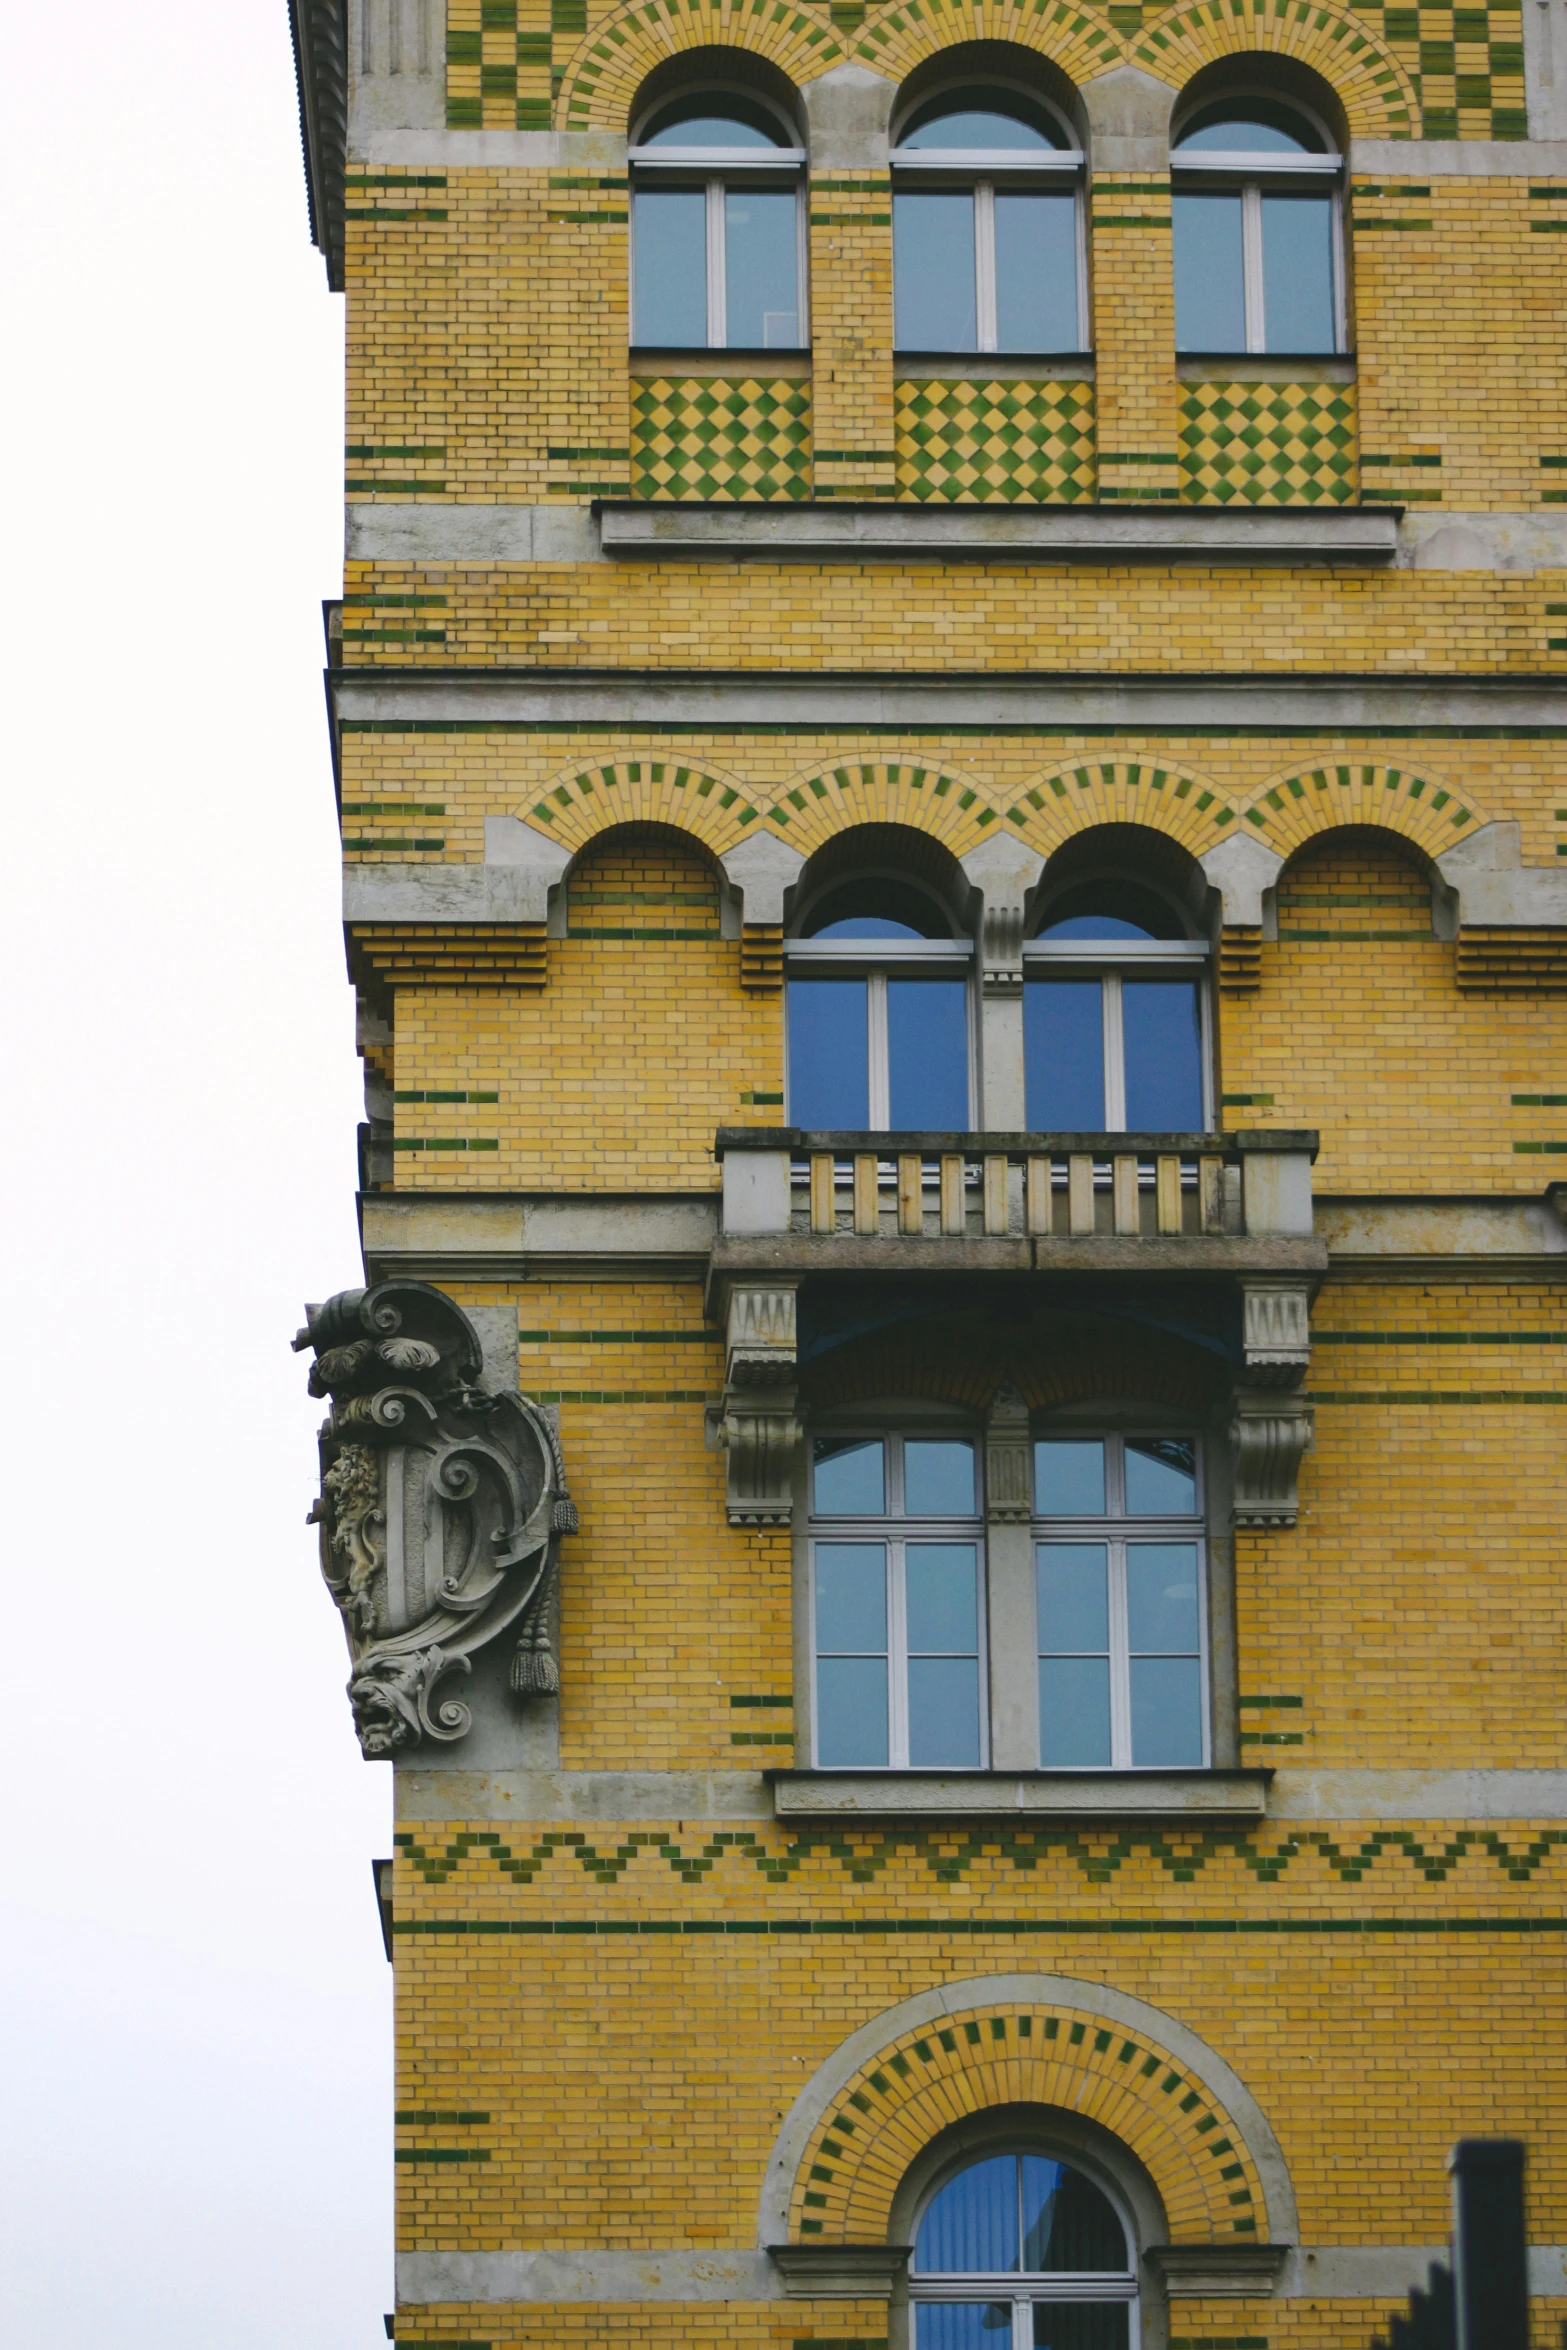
(670, 292)
(850, 1477)
(963, 2325)
(1161, 1476)
(941, 1595)
(1162, 1612)
(970, 2228)
(933, 272)
(851, 1598)
(1041, 2178)
(761, 268)
(829, 1061)
(851, 1713)
(1036, 273)
(748, 127)
(1166, 1712)
(1063, 1056)
(944, 1713)
(1068, 2222)
(1074, 1605)
(1161, 1030)
(1069, 1477)
(938, 1477)
(927, 1054)
(1210, 285)
(1297, 273)
(1074, 1713)
(975, 127)
(1081, 2325)
(1245, 134)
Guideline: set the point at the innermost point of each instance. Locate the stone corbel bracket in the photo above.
(758, 1429)
(840, 2272)
(1218, 2272)
(761, 871)
(1005, 872)
(1271, 1426)
(1009, 1482)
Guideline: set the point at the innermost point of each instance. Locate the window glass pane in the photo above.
(851, 1598)
(1081, 2325)
(1069, 1477)
(1036, 273)
(971, 2226)
(851, 1478)
(1074, 1609)
(941, 1594)
(933, 272)
(1297, 273)
(1162, 1032)
(851, 1713)
(963, 2325)
(671, 274)
(1068, 2222)
(761, 268)
(1210, 289)
(829, 1061)
(1161, 1476)
(927, 1053)
(938, 1477)
(944, 1713)
(1162, 1613)
(1074, 1713)
(1166, 1712)
(1063, 1055)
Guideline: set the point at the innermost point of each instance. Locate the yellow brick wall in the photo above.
(1133, 299)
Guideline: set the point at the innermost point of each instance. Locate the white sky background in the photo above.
(195, 2031)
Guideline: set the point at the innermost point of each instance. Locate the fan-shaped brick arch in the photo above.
(1377, 95)
(1074, 2058)
(606, 71)
(1090, 792)
(587, 800)
(951, 808)
(898, 39)
(1430, 814)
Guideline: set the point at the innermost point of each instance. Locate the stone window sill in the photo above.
(1074, 1795)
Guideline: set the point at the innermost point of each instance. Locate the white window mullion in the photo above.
(985, 262)
(1115, 1056)
(1022, 2322)
(880, 1087)
(717, 284)
(897, 1660)
(1251, 249)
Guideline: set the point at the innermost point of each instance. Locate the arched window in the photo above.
(1022, 2251)
(1258, 244)
(718, 228)
(878, 1011)
(986, 225)
(1115, 1015)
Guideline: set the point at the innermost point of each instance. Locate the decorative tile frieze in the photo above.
(1279, 444)
(720, 437)
(985, 441)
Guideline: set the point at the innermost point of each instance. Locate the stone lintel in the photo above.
(1118, 1795)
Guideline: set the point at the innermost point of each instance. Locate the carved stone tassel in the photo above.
(533, 1669)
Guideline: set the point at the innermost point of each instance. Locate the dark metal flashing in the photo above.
(320, 30)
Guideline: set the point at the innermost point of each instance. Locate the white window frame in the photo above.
(893, 1531)
(716, 169)
(977, 170)
(1111, 961)
(1248, 173)
(1119, 1533)
(876, 961)
(1025, 2289)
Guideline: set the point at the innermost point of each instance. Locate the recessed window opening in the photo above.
(878, 1011)
(1258, 243)
(1020, 2251)
(717, 226)
(987, 229)
(1120, 1585)
(1115, 1016)
(897, 1602)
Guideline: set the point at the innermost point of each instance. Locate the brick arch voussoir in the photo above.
(610, 64)
(1081, 45)
(1375, 90)
(1068, 2057)
(954, 809)
(1295, 808)
(1074, 798)
(713, 809)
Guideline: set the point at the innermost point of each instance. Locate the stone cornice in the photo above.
(320, 30)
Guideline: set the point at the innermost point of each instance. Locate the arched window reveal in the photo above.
(1115, 1016)
(1257, 231)
(718, 229)
(1020, 2251)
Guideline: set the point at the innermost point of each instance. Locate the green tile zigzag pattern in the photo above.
(950, 1856)
(717, 437)
(1260, 444)
(978, 441)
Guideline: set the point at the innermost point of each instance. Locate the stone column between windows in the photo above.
(1009, 1557)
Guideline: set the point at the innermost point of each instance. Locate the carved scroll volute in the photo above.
(441, 1509)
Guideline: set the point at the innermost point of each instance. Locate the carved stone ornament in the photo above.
(1269, 1433)
(441, 1510)
(758, 1428)
(1009, 1462)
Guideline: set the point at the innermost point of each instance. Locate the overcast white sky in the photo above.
(195, 2118)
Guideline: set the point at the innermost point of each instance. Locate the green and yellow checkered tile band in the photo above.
(717, 437)
(1260, 444)
(996, 443)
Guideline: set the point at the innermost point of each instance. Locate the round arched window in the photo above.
(1258, 263)
(1115, 1015)
(878, 1011)
(1019, 2251)
(717, 226)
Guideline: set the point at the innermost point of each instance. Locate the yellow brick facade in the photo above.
(652, 2022)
